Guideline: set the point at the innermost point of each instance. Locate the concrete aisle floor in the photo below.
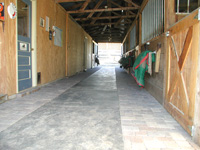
(106, 111)
(84, 117)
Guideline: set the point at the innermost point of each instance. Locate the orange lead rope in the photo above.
(1, 8)
(1, 12)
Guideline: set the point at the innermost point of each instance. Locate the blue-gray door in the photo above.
(24, 44)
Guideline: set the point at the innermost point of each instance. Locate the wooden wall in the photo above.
(8, 54)
(154, 84)
(2, 61)
(197, 103)
(50, 58)
(76, 37)
(170, 16)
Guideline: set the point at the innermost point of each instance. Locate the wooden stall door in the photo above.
(182, 63)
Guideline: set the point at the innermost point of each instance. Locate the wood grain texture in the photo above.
(75, 48)
(10, 62)
(196, 136)
(50, 58)
(169, 13)
(154, 84)
(186, 49)
(179, 117)
(2, 61)
(157, 64)
(182, 71)
(184, 24)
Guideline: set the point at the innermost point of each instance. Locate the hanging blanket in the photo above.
(141, 66)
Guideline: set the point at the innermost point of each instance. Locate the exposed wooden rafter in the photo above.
(94, 20)
(115, 4)
(103, 24)
(97, 6)
(106, 17)
(131, 2)
(85, 4)
(75, 6)
(101, 10)
(67, 1)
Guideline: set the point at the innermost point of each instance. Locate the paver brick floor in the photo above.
(145, 124)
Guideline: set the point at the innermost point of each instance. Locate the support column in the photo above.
(196, 132)
(34, 42)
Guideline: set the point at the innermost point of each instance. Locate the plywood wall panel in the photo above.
(2, 61)
(50, 58)
(8, 54)
(76, 37)
(155, 84)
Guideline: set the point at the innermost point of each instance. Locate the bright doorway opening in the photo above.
(109, 53)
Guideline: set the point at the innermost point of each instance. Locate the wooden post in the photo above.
(196, 136)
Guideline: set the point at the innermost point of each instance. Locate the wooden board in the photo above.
(76, 58)
(2, 61)
(181, 72)
(50, 58)
(157, 64)
(10, 35)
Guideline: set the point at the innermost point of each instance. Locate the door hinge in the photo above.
(32, 49)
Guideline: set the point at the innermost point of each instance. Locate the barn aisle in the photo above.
(85, 117)
(102, 110)
(145, 123)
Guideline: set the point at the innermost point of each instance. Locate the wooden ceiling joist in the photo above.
(131, 2)
(95, 7)
(75, 6)
(103, 20)
(108, 31)
(115, 4)
(106, 17)
(94, 20)
(85, 4)
(103, 24)
(113, 34)
(67, 1)
(101, 10)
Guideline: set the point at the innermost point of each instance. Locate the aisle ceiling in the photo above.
(103, 20)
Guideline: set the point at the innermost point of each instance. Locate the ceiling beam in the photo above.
(94, 20)
(85, 4)
(115, 4)
(112, 34)
(115, 13)
(131, 2)
(103, 24)
(104, 38)
(109, 31)
(67, 1)
(101, 10)
(119, 21)
(106, 17)
(95, 7)
(75, 6)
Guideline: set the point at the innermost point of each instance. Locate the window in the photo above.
(152, 20)
(23, 18)
(186, 6)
